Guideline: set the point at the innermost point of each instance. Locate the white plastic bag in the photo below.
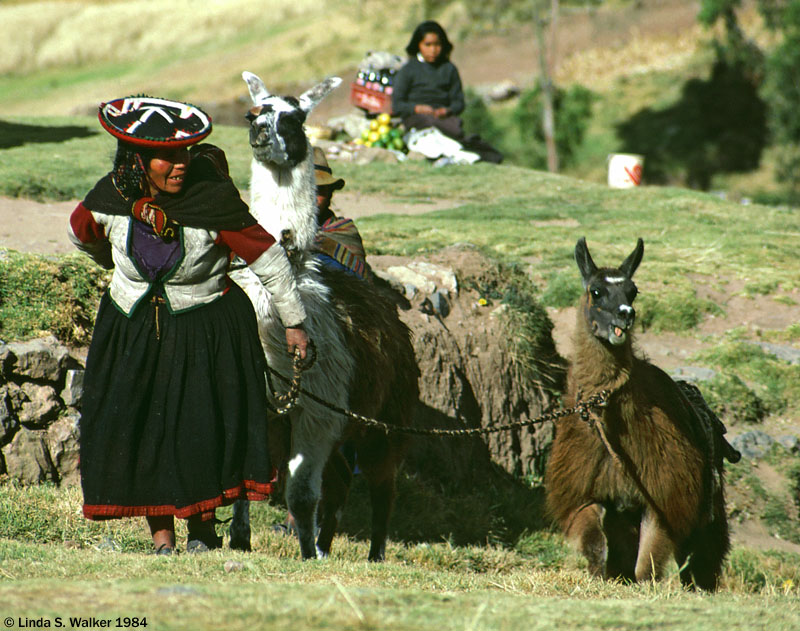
(433, 144)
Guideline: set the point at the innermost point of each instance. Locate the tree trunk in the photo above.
(545, 57)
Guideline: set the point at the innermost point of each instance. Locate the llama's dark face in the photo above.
(276, 132)
(610, 292)
(276, 123)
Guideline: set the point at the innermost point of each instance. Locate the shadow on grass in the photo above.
(719, 125)
(19, 134)
(449, 489)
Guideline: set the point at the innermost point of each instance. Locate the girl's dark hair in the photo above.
(129, 170)
(421, 31)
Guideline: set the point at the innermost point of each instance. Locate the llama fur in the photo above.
(364, 358)
(665, 498)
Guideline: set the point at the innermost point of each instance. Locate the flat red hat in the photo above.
(146, 121)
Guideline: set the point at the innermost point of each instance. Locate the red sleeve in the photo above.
(249, 243)
(84, 227)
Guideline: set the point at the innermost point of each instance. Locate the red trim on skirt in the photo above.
(250, 490)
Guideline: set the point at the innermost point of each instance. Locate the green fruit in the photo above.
(398, 143)
(395, 133)
(365, 134)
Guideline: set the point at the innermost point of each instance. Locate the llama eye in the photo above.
(595, 293)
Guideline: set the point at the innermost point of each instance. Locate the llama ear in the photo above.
(311, 98)
(258, 91)
(584, 260)
(630, 264)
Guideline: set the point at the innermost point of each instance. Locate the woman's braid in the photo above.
(129, 171)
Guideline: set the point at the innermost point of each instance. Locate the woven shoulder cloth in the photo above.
(338, 238)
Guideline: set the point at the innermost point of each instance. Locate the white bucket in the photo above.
(625, 170)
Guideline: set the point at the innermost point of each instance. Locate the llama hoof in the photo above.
(244, 546)
(377, 556)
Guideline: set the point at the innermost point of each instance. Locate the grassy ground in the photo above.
(56, 564)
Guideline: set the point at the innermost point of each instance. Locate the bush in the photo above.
(572, 111)
(670, 312)
(732, 400)
(478, 120)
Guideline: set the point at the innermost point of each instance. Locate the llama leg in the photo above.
(304, 488)
(710, 545)
(240, 526)
(335, 485)
(378, 459)
(382, 499)
(655, 548)
(585, 530)
(621, 529)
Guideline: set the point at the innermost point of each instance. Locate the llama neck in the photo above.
(597, 365)
(284, 198)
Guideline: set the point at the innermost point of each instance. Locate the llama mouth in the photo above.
(616, 335)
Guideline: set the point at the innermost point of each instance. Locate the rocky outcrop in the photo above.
(40, 389)
(473, 375)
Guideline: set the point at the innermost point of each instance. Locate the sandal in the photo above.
(164, 550)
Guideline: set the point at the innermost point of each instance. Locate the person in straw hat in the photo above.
(174, 406)
(338, 241)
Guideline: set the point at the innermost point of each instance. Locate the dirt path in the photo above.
(30, 226)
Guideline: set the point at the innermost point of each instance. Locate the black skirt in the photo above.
(174, 416)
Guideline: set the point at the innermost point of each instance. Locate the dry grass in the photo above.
(598, 67)
(57, 564)
(55, 50)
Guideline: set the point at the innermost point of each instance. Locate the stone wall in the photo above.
(40, 390)
(462, 346)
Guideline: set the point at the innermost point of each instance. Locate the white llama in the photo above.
(365, 360)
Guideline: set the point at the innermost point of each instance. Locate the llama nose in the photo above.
(627, 315)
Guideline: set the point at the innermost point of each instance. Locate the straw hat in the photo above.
(145, 121)
(323, 173)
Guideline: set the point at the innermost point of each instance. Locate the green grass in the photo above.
(39, 296)
(752, 382)
(56, 564)
(79, 152)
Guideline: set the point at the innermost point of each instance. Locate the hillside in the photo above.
(55, 61)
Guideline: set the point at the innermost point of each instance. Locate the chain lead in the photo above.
(289, 400)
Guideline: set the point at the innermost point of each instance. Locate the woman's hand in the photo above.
(421, 108)
(297, 338)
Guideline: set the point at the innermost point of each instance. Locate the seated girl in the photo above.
(427, 90)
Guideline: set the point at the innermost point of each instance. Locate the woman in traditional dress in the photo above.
(174, 415)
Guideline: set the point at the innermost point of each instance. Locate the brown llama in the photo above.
(644, 482)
